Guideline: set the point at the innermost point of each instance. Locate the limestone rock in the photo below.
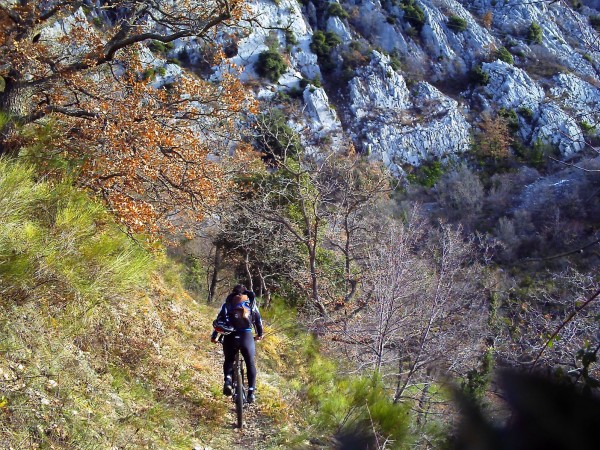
(399, 128)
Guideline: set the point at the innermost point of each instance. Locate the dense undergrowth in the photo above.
(102, 347)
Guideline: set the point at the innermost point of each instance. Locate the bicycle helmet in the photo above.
(222, 327)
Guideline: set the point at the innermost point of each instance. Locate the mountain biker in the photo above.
(240, 312)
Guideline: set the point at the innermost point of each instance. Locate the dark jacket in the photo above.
(255, 318)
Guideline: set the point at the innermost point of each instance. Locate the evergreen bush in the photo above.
(336, 10)
(526, 113)
(322, 45)
(536, 155)
(427, 174)
(512, 120)
(356, 406)
(457, 24)
(534, 33)
(279, 139)
(479, 76)
(270, 65)
(413, 14)
(504, 55)
(290, 38)
(149, 74)
(160, 47)
(395, 63)
(587, 127)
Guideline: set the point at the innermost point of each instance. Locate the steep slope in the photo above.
(539, 60)
(99, 350)
(409, 81)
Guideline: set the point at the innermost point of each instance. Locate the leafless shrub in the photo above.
(546, 63)
(505, 232)
(461, 194)
(545, 306)
(424, 311)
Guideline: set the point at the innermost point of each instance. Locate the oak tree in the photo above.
(144, 149)
(494, 138)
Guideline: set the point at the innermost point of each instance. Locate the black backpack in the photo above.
(240, 317)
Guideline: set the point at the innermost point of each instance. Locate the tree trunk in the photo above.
(312, 255)
(217, 261)
(347, 258)
(16, 101)
(265, 292)
(248, 272)
(15, 98)
(423, 406)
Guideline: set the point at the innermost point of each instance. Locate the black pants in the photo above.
(244, 342)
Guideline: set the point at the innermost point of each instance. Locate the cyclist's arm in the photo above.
(258, 326)
(221, 316)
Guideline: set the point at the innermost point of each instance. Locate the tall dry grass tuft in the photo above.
(52, 234)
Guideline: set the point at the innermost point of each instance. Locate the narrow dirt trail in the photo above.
(258, 430)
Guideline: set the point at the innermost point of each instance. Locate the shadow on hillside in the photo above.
(545, 415)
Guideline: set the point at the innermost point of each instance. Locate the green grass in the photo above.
(84, 320)
(52, 234)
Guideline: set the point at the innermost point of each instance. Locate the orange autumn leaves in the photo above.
(149, 151)
(155, 156)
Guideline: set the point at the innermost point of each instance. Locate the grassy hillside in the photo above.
(101, 347)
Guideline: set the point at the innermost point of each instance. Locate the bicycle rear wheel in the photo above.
(239, 396)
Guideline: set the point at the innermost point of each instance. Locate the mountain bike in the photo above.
(238, 386)
(239, 389)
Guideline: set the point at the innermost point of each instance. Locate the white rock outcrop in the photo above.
(323, 117)
(398, 128)
(272, 18)
(454, 50)
(400, 125)
(337, 26)
(378, 87)
(511, 87)
(578, 96)
(562, 27)
(554, 86)
(557, 128)
(373, 22)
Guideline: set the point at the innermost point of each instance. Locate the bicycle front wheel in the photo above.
(239, 399)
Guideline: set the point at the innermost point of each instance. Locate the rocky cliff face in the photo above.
(399, 86)
(396, 77)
